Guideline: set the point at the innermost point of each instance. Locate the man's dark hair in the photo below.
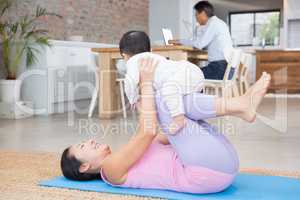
(205, 6)
(70, 168)
(134, 42)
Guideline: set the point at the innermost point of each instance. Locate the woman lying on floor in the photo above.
(197, 159)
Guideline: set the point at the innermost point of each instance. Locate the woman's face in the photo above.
(90, 152)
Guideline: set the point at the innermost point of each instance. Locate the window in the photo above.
(255, 27)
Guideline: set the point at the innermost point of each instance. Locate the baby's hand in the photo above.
(135, 106)
(178, 122)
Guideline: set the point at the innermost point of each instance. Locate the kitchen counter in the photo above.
(253, 49)
(81, 44)
(283, 65)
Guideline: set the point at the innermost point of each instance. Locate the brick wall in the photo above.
(97, 20)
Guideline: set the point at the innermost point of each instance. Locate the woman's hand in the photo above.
(147, 69)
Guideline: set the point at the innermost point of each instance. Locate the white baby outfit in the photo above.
(172, 79)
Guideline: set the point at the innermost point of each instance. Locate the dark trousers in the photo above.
(215, 70)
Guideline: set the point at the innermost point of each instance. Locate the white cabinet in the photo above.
(63, 74)
(55, 56)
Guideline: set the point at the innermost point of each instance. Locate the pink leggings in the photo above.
(199, 143)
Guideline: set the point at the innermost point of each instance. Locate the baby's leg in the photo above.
(201, 106)
(173, 100)
(194, 106)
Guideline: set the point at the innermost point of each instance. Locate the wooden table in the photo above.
(284, 67)
(109, 95)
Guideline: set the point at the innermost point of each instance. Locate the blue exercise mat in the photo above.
(245, 187)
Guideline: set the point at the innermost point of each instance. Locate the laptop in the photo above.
(167, 33)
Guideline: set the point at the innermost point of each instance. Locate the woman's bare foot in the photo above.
(253, 97)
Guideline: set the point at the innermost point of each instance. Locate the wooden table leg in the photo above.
(108, 102)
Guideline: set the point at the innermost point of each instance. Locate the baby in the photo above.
(172, 80)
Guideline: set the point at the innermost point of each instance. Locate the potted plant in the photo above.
(18, 42)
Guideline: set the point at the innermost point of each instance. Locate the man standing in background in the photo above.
(214, 37)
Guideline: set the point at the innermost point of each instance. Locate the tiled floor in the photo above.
(260, 144)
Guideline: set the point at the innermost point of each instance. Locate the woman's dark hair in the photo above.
(134, 42)
(206, 7)
(70, 168)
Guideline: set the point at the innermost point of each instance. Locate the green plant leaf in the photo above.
(43, 41)
(43, 12)
(25, 24)
(36, 33)
(4, 6)
(30, 56)
(5, 53)
(23, 32)
(14, 27)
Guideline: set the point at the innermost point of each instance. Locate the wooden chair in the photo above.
(229, 85)
(95, 94)
(246, 62)
(121, 81)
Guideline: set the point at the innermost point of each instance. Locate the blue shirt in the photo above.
(214, 36)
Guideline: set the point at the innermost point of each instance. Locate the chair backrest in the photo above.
(246, 59)
(121, 68)
(233, 57)
(246, 63)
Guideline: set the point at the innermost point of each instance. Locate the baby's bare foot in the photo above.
(254, 96)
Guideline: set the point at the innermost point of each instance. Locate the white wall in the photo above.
(292, 8)
(187, 19)
(174, 14)
(163, 13)
(291, 34)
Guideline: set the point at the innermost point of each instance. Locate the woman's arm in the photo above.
(116, 166)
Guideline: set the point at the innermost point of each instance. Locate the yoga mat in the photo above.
(245, 187)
